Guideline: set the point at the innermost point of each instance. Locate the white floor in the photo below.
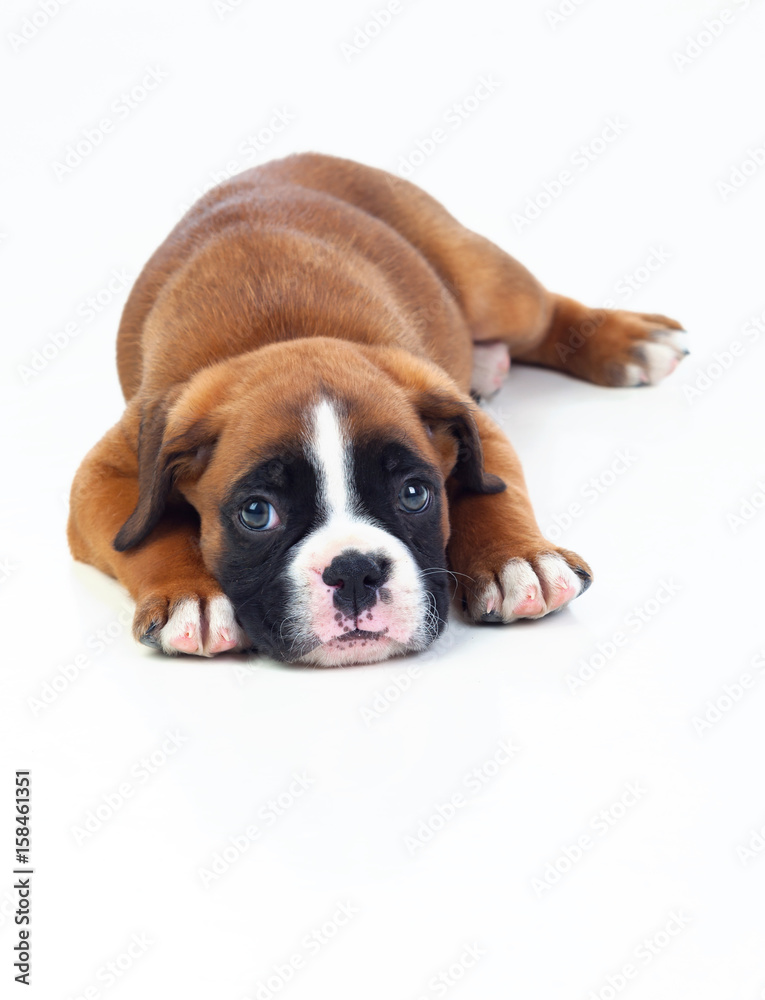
(572, 808)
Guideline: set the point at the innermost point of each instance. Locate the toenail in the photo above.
(149, 638)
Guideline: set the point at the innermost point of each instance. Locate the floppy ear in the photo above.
(449, 414)
(163, 461)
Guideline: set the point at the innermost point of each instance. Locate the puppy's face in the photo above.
(333, 544)
(319, 477)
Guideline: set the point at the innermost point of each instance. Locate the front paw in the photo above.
(188, 623)
(527, 587)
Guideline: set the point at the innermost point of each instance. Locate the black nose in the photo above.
(357, 578)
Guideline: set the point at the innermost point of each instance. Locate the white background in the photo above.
(246, 725)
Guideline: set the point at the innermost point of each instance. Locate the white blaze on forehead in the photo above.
(330, 455)
(403, 616)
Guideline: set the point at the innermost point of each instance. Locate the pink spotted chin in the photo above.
(347, 649)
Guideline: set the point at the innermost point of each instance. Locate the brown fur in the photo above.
(382, 280)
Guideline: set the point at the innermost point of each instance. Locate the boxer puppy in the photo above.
(300, 468)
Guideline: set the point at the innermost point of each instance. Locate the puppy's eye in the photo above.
(414, 496)
(259, 515)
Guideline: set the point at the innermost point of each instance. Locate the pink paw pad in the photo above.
(221, 643)
(187, 641)
(203, 628)
(532, 604)
(563, 592)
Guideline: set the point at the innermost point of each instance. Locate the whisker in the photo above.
(449, 572)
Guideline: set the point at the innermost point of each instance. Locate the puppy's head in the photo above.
(318, 471)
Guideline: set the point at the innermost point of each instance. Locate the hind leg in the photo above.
(609, 347)
(500, 300)
(511, 315)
